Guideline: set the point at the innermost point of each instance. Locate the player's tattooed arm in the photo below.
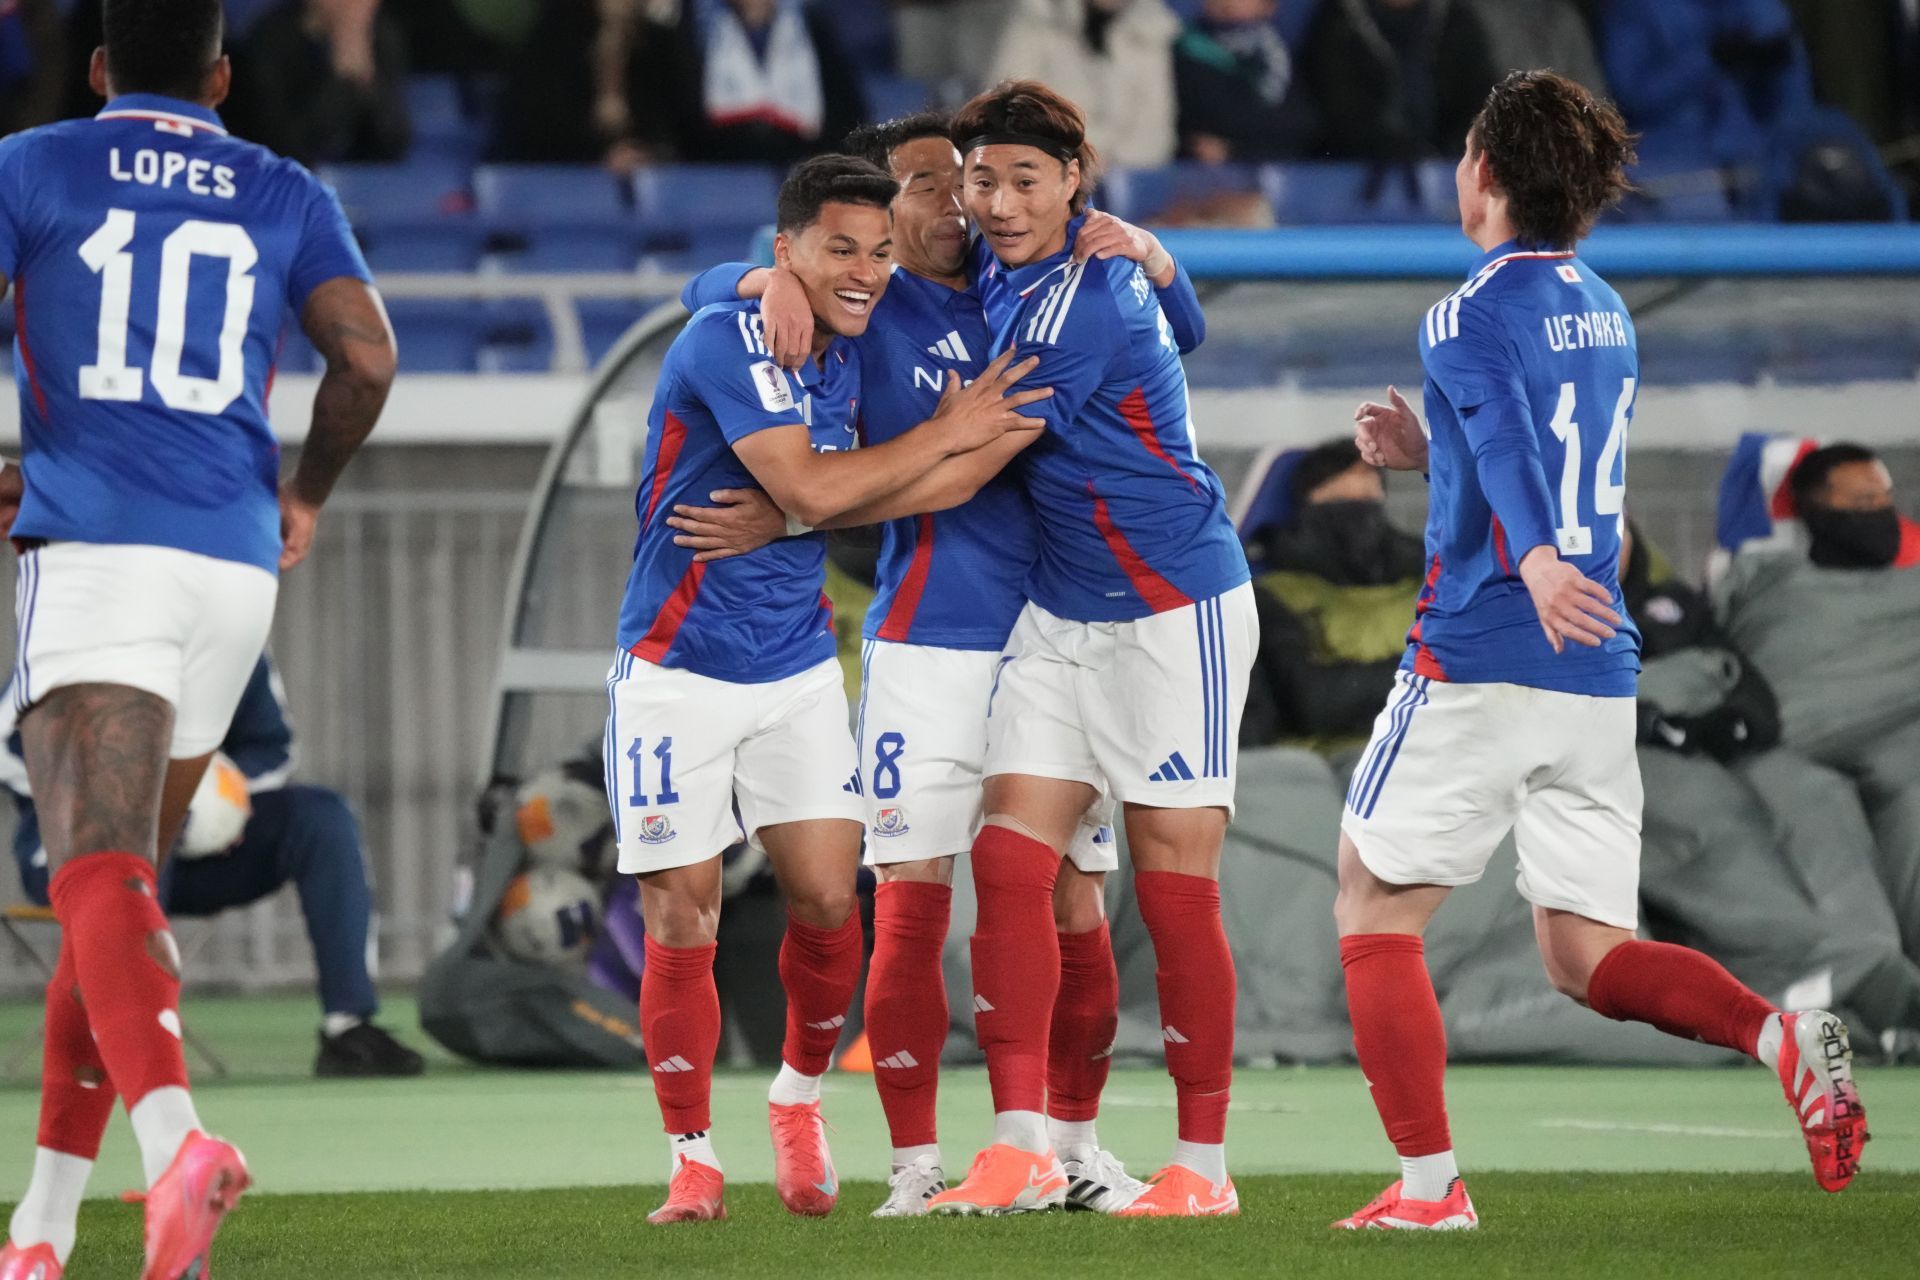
(348, 326)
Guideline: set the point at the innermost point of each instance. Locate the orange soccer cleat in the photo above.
(29, 1262)
(1816, 1074)
(1178, 1192)
(802, 1166)
(1005, 1179)
(186, 1205)
(697, 1193)
(1390, 1210)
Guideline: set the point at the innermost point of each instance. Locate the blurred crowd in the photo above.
(1710, 84)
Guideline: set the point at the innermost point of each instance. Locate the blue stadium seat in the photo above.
(433, 190)
(1142, 195)
(441, 125)
(437, 336)
(864, 30)
(1804, 355)
(676, 200)
(523, 196)
(1675, 193)
(399, 247)
(890, 96)
(516, 337)
(1334, 192)
(1689, 357)
(603, 321)
(570, 249)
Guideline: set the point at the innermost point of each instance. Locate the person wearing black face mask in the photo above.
(1845, 499)
(1332, 600)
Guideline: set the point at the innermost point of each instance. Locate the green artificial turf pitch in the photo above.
(474, 1172)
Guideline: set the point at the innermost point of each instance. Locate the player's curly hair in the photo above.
(1027, 109)
(1557, 152)
(831, 179)
(875, 143)
(161, 46)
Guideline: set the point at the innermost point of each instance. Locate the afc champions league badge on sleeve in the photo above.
(891, 821)
(656, 828)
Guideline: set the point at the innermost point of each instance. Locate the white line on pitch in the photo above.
(1680, 1130)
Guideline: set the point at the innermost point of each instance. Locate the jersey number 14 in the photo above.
(1609, 498)
(110, 377)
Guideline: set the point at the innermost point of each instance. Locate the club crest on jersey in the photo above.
(1141, 289)
(771, 383)
(656, 828)
(890, 822)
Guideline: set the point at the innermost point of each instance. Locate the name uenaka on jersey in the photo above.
(1585, 329)
(160, 168)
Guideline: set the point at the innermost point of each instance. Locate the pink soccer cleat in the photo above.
(697, 1193)
(29, 1262)
(187, 1204)
(1390, 1210)
(1816, 1074)
(1005, 1179)
(802, 1166)
(1178, 1192)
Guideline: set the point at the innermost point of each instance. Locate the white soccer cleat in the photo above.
(910, 1187)
(1816, 1074)
(1101, 1184)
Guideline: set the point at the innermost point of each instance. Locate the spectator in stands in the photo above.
(31, 64)
(1837, 634)
(324, 81)
(249, 831)
(1397, 80)
(1704, 81)
(1238, 97)
(744, 81)
(1112, 57)
(1533, 35)
(1335, 599)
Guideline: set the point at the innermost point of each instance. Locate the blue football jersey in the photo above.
(153, 259)
(1531, 371)
(764, 615)
(1132, 522)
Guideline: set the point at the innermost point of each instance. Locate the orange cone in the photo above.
(858, 1057)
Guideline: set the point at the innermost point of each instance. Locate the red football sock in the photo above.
(1398, 1035)
(1016, 963)
(76, 1096)
(1680, 991)
(819, 969)
(1085, 1016)
(127, 968)
(680, 1026)
(1193, 969)
(907, 1004)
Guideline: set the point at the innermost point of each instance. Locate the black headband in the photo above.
(1052, 146)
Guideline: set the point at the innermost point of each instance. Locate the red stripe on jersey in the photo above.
(906, 601)
(1425, 664)
(673, 435)
(26, 352)
(1140, 418)
(1500, 547)
(1159, 594)
(653, 646)
(826, 602)
(1780, 507)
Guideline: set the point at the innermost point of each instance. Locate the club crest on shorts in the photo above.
(656, 828)
(890, 822)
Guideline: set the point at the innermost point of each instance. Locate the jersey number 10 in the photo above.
(106, 255)
(1609, 499)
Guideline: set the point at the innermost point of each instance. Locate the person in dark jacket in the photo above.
(1238, 96)
(1397, 80)
(249, 831)
(324, 81)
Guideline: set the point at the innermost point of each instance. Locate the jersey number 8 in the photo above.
(1609, 499)
(106, 255)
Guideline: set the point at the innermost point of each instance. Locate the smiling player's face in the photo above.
(842, 260)
(1022, 199)
(929, 224)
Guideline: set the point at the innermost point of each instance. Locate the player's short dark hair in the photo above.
(1029, 111)
(1557, 152)
(161, 46)
(875, 143)
(831, 179)
(1807, 482)
(1320, 464)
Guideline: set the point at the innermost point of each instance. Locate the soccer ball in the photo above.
(548, 916)
(562, 820)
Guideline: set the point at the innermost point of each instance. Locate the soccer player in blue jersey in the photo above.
(725, 687)
(1515, 704)
(957, 546)
(1125, 672)
(151, 259)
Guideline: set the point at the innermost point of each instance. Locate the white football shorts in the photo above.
(923, 743)
(1149, 709)
(682, 749)
(1453, 767)
(179, 625)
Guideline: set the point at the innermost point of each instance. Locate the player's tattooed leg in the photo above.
(96, 756)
